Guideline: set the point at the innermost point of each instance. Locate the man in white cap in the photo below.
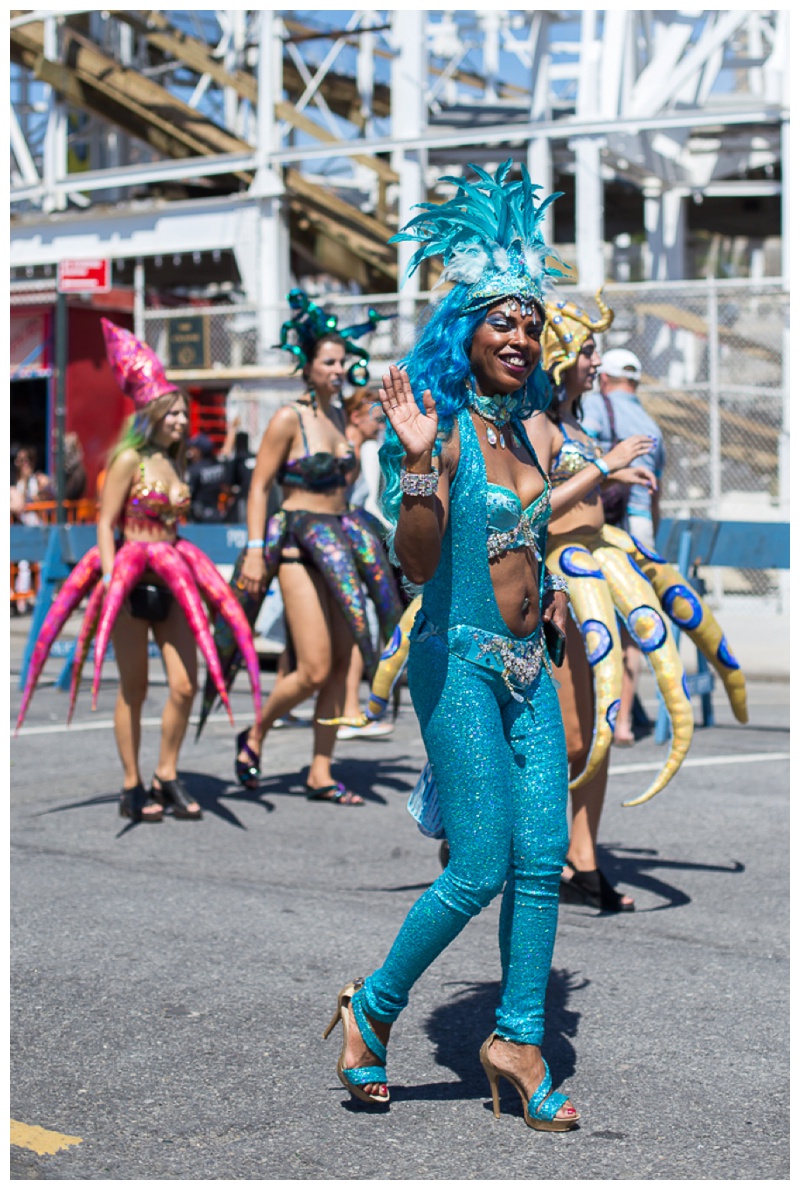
(615, 413)
(609, 415)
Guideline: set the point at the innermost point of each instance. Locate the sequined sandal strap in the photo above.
(361, 1076)
(543, 1105)
(370, 1038)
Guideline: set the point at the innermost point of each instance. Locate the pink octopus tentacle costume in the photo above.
(185, 570)
(91, 619)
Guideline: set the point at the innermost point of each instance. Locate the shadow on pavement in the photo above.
(217, 796)
(634, 867)
(206, 790)
(458, 1028)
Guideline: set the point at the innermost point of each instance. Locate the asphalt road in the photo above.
(170, 983)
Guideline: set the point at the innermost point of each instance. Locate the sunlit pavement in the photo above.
(170, 983)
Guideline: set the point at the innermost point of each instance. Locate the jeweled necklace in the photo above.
(492, 436)
(497, 411)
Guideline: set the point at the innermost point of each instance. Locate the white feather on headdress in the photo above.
(535, 259)
(466, 264)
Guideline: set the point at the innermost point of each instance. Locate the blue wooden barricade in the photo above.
(59, 547)
(691, 543)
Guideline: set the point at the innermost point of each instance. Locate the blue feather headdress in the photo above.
(489, 237)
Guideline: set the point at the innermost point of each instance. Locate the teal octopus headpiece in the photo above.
(309, 322)
(489, 237)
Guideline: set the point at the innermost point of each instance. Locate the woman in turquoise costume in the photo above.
(324, 554)
(608, 573)
(470, 505)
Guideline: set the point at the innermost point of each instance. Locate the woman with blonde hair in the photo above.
(144, 495)
(140, 578)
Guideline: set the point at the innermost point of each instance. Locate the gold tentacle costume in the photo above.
(610, 573)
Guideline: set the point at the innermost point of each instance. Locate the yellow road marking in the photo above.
(40, 1140)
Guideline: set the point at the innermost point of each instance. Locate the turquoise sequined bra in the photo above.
(509, 526)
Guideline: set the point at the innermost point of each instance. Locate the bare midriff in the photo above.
(515, 581)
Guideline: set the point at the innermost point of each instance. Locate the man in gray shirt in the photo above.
(614, 413)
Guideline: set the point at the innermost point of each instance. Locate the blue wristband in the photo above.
(107, 579)
(256, 544)
(601, 466)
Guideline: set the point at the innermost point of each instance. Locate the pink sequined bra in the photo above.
(150, 503)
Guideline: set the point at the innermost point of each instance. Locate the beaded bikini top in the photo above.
(573, 456)
(151, 503)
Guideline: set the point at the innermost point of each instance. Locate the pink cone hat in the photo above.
(136, 367)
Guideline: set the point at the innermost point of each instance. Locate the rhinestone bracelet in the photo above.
(554, 582)
(412, 484)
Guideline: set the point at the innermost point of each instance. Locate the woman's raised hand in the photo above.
(623, 453)
(416, 431)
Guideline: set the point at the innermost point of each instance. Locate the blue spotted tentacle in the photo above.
(641, 609)
(693, 616)
(593, 609)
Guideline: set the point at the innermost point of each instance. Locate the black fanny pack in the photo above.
(149, 602)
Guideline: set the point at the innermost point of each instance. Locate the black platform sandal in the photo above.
(133, 801)
(247, 771)
(175, 796)
(592, 888)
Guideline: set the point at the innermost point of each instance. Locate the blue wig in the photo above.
(440, 361)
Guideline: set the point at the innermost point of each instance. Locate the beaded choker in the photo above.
(499, 409)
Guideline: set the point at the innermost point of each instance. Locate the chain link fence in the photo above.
(222, 337)
(714, 379)
(714, 376)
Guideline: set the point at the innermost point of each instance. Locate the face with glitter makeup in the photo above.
(505, 348)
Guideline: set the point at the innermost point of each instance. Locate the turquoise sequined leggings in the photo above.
(501, 769)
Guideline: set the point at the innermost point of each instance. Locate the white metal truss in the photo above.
(680, 104)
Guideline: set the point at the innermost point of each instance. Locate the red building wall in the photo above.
(96, 408)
